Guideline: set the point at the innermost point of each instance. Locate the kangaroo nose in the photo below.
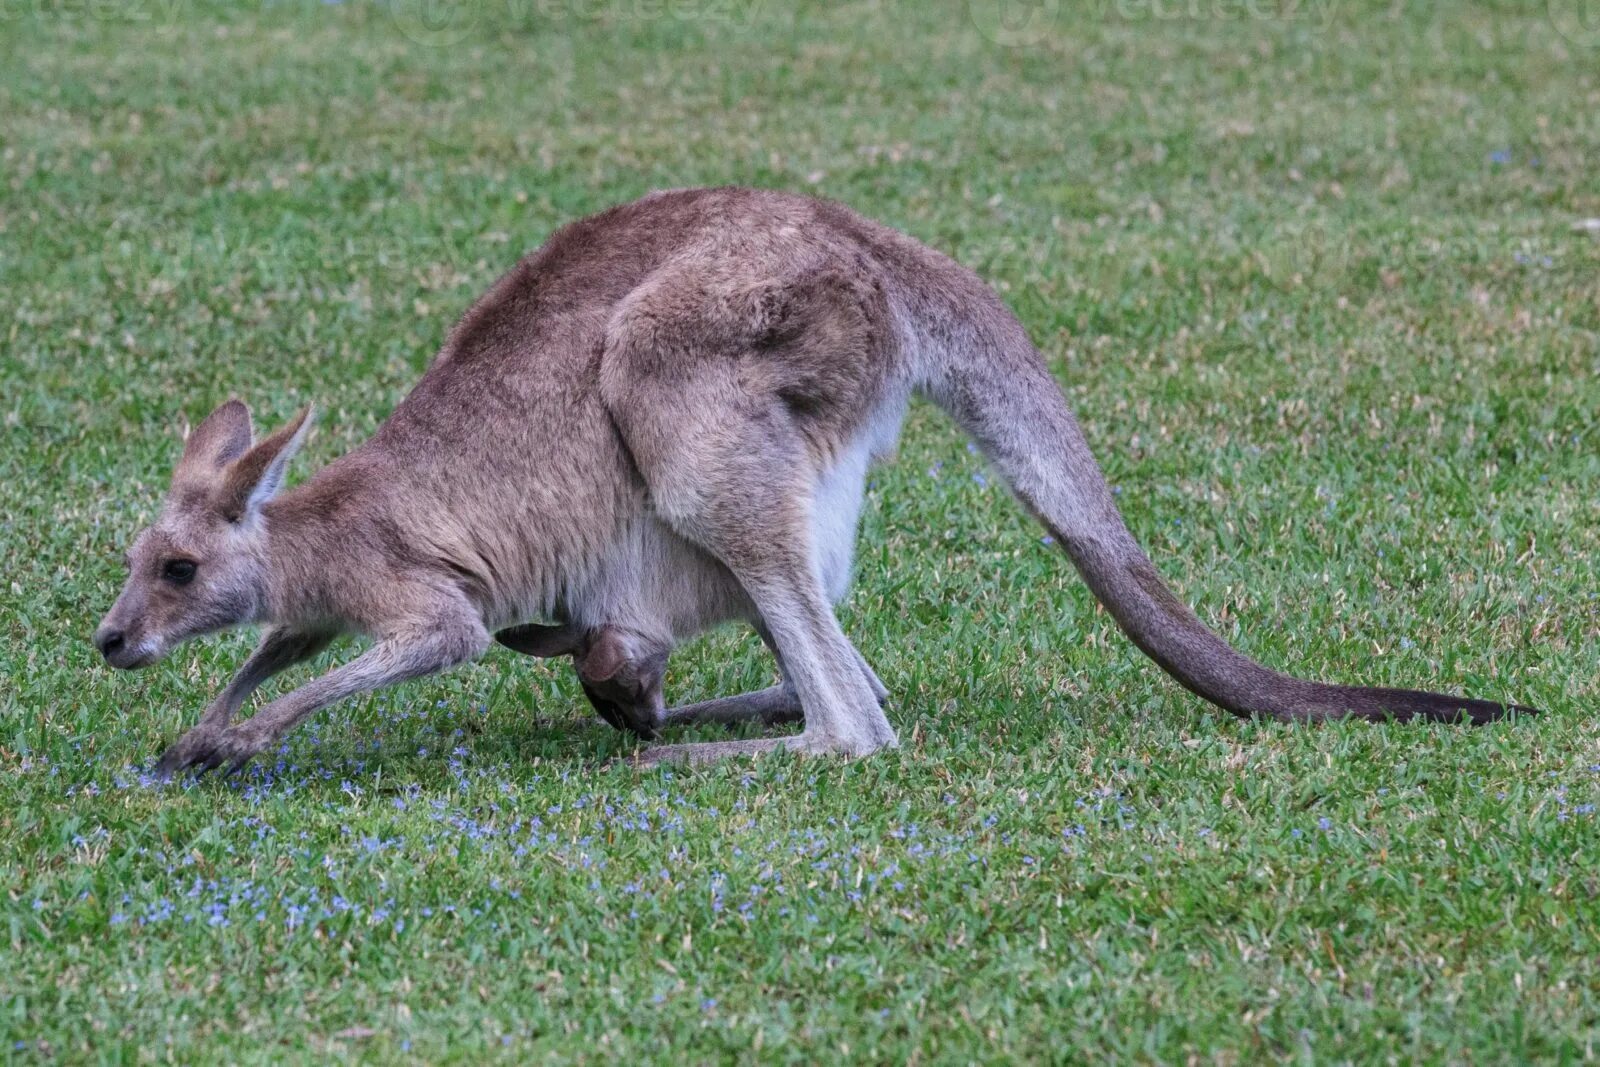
(110, 642)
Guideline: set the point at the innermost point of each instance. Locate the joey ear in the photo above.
(222, 437)
(606, 655)
(536, 639)
(252, 479)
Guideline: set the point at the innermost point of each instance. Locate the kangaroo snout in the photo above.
(120, 649)
(109, 642)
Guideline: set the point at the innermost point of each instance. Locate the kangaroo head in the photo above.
(202, 566)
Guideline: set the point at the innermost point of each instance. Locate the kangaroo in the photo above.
(659, 421)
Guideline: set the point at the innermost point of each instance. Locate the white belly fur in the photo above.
(836, 512)
(655, 582)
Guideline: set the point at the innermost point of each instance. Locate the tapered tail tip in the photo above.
(1483, 712)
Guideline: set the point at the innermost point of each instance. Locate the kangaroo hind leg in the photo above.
(740, 484)
(737, 393)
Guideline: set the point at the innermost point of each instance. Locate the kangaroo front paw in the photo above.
(203, 749)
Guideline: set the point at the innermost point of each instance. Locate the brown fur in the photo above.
(657, 422)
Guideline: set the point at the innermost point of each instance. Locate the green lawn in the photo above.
(1311, 275)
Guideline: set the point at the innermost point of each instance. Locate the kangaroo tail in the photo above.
(1000, 391)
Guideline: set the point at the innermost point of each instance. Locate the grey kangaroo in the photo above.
(659, 421)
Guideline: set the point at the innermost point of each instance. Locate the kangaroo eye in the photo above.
(179, 571)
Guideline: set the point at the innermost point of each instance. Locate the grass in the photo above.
(1310, 276)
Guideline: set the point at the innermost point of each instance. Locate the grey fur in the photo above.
(659, 421)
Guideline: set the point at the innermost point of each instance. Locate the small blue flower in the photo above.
(1502, 155)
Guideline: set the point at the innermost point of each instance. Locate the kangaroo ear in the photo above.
(221, 438)
(253, 478)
